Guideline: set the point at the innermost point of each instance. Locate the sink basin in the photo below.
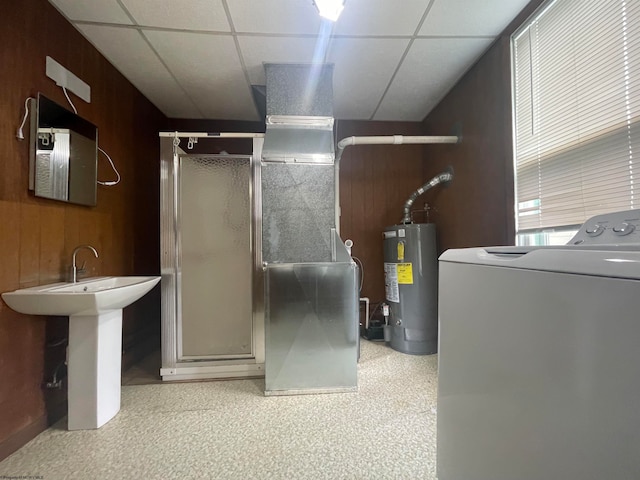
(94, 307)
(92, 296)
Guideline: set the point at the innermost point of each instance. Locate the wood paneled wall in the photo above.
(375, 182)
(477, 209)
(37, 236)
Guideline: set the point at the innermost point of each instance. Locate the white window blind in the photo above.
(576, 86)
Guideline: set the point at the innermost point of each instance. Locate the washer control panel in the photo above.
(625, 228)
(609, 228)
(594, 230)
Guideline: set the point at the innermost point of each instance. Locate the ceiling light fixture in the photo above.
(329, 9)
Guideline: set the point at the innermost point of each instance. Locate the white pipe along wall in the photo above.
(380, 140)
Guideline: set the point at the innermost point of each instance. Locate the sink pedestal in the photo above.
(94, 369)
(94, 307)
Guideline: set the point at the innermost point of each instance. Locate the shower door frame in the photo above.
(174, 366)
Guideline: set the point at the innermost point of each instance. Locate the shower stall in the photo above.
(212, 322)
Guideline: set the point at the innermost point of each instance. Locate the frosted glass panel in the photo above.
(216, 261)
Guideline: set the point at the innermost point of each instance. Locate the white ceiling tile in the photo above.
(259, 50)
(363, 68)
(208, 68)
(275, 16)
(430, 69)
(103, 11)
(380, 17)
(131, 55)
(477, 17)
(180, 14)
(206, 78)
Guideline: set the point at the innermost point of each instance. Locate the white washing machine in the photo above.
(539, 358)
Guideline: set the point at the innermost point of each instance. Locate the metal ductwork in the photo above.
(300, 139)
(443, 178)
(299, 120)
(297, 172)
(311, 282)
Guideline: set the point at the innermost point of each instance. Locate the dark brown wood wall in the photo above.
(477, 209)
(375, 181)
(37, 236)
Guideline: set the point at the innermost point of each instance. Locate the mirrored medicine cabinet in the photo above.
(63, 154)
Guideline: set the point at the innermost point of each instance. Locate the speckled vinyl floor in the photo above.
(229, 430)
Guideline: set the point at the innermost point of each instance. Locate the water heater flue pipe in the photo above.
(444, 178)
(380, 140)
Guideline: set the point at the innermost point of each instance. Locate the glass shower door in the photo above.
(215, 262)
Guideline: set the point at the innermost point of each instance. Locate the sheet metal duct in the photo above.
(299, 122)
(311, 287)
(298, 210)
(299, 139)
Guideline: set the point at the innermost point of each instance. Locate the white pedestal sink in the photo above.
(94, 307)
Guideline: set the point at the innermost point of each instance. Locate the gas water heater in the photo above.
(411, 280)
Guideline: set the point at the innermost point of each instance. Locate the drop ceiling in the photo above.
(394, 59)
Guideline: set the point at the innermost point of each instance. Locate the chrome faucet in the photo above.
(73, 263)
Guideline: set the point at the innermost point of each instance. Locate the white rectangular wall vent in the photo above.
(64, 78)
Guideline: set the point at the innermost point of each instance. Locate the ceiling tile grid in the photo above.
(380, 17)
(103, 11)
(199, 58)
(293, 17)
(431, 68)
(209, 69)
(471, 17)
(128, 51)
(362, 71)
(208, 15)
(259, 50)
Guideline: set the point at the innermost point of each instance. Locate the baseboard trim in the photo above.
(22, 437)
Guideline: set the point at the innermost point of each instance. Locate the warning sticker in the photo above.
(391, 290)
(405, 274)
(400, 251)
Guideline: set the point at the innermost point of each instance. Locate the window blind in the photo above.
(576, 94)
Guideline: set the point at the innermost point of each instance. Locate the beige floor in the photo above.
(229, 430)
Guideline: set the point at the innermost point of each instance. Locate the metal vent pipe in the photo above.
(444, 178)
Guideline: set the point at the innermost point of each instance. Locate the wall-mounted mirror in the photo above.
(63, 156)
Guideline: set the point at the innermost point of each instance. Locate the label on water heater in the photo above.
(391, 290)
(389, 234)
(401, 233)
(405, 273)
(400, 251)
